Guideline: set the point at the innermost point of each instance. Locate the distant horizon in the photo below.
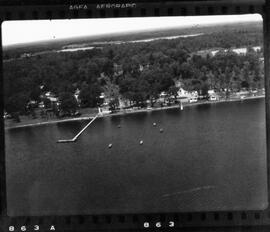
(19, 33)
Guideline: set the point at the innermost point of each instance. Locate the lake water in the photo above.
(209, 157)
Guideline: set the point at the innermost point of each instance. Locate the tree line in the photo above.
(135, 71)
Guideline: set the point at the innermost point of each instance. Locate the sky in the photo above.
(16, 32)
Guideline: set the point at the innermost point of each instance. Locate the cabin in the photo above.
(212, 95)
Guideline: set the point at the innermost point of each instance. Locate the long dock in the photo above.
(77, 136)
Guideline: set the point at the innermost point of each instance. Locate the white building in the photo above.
(182, 93)
(212, 95)
(51, 96)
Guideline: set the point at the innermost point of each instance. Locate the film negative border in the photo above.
(217, 221)
(85, 9)
(189, 221)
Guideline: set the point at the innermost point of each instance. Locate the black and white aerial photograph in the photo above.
(134, 115)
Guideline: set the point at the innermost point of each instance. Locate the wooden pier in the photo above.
(77, 136)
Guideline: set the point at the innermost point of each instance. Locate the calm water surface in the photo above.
(209, 157)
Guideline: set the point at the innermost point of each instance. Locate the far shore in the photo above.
(128, 111)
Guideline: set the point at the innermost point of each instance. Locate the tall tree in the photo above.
(68, 103)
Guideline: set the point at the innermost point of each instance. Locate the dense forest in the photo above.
(136, 71)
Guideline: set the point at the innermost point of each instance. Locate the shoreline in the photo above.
(124, 112)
